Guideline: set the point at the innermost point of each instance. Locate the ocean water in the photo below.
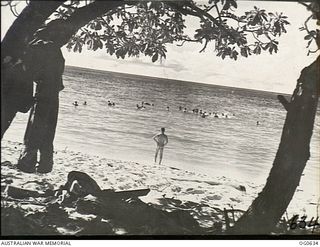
(234, 147)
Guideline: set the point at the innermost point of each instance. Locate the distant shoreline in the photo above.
(144, 77)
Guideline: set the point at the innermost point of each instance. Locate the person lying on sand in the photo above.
(122, 208)
(161, 140)
(80, 184)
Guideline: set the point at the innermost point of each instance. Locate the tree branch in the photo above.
(210, 8)
(201, 12)
(182, 10)
(13, 9)
(189, 40)
(83, 15)
(198, 12)
(256, 38)
(315, 51)
(29, 20)
(218, 12)
(284, 102)
(205, 46)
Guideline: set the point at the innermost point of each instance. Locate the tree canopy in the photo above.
(133, 28)
(146, 27)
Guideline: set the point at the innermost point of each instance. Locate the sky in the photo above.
(278, 72)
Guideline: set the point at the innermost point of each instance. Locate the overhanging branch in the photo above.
(83, 15)
(29, 20)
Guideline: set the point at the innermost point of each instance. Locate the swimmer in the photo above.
(185, 110)
(85, 103)
(75, 103)
(168, 108)
(140, 107)
(258, 123)
(180, 108)
(113, 104)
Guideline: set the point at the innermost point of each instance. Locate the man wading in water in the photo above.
(161, 140)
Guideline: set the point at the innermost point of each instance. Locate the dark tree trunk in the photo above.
(22, 29)
(43, 64)
(291, 158)
(43, 118)
(84, 15)
(16, 82)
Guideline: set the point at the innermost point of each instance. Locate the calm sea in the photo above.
(234, 147)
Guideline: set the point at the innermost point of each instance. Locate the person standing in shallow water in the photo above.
(161, 140)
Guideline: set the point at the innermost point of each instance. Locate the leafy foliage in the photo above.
(312, 36)
(145, 28)
(131, 31)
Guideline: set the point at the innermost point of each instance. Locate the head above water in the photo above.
(163, 130)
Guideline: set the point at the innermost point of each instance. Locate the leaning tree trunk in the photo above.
(45, 69)
(291, 158)
(16, 82)
(22, 29)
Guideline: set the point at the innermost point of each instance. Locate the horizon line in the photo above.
(173, 79)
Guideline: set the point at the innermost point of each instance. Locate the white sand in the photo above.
(166, 183)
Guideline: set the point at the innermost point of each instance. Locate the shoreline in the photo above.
(171, 188)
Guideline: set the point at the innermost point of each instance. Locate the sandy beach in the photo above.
(203, 196)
